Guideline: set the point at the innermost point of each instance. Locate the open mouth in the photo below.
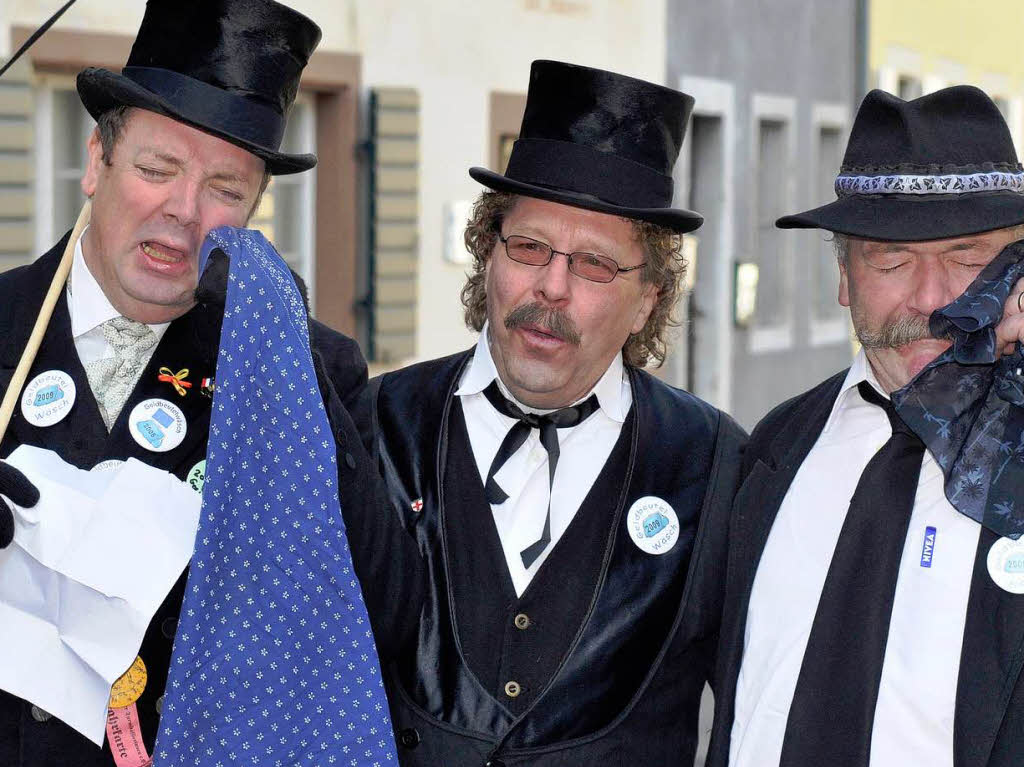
(163, 253)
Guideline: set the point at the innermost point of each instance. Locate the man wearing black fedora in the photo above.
(571, 506)
(188, 136)
(873, 615)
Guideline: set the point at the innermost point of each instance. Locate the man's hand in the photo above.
(13, 485)
(1010, 329)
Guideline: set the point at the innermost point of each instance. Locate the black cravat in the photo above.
(548, 425)
(833, 707)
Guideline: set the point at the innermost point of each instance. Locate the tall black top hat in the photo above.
(939, 166)
(227, 67)
(598, 140)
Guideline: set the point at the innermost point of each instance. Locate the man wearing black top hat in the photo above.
(571, 507)
(871, 615)
(188, 135)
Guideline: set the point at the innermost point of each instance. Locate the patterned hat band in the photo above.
(994, 181)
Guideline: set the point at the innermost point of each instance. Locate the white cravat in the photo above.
(524, 477)
(91, 312)
(914, 713)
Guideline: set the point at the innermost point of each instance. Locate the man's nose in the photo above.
(182, 201)
(553, 278)
(932, 287)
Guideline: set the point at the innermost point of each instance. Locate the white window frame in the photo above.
(832, 330)
(776, 336)
(716, 98)
(46, 233)
(305, 110)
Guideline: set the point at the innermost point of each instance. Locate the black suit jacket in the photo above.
(384, 557)
(989, 720)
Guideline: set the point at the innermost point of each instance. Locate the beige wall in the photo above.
(455, 53)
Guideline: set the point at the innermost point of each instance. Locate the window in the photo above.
(63, 128)
(825, 277)
(909, 87)
(769, 249)
(287, 211)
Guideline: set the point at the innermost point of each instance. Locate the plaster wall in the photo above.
(455, 54)
(789, 58)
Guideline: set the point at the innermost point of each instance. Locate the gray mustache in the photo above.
(557, 323)
(905, 330)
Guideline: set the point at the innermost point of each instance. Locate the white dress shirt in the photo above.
(89, 309)
(913, 721)
(524, 477)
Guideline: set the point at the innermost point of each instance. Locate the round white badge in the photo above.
(111, 464)
(653, 525)
(197, 477)
(157, 425)
(48, 398)
(1006, 564)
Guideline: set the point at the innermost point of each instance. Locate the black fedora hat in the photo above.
(939, 166)
(227, 67)
(598, 140)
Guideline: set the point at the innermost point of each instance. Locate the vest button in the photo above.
(409, 737)
(168, 627)
(40, 715)
(522, 621)
(350, 461)
(494, 763)
(512, 689)
(159, 705)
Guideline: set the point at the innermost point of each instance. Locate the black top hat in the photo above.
(598, 140)
(227, 67)
(939, 166)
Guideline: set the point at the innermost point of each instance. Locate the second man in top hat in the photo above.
(568, 503)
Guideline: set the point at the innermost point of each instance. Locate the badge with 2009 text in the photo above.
(653, 525)
(157, 425)
(1006, 564)
(48, 398)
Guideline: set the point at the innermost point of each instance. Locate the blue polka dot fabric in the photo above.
(274, 661)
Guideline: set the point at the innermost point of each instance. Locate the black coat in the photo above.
(618, 643)
(384, 557)
(989, 719)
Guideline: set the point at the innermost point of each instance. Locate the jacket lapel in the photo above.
(990, 662)
(190, 343)
(768, 480)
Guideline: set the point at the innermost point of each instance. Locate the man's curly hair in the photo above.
(665, 268)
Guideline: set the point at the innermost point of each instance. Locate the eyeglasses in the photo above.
(589, 266)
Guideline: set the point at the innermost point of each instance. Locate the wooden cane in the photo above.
(39, 329)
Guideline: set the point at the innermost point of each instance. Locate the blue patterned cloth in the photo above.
(274, 661)
(967, 405)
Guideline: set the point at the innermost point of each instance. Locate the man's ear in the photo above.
(844, 285)
(93, 164)
(648, 300)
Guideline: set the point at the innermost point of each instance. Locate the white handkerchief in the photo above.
(89, 567)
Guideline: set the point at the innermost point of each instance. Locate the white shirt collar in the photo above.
(848, 397)
(481, 372)
(88, 305)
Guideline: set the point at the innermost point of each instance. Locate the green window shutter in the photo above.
(17, 235)
(394, 235)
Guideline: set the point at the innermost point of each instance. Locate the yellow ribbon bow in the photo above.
(177, 380)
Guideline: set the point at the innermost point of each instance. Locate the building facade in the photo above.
(399, 100)
(775, 93)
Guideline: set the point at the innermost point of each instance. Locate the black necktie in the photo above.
(833, 707)
(548, 426)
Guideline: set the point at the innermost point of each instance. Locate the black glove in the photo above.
(15, 486)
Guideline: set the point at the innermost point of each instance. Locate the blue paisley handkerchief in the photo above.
(967, 405)
(273, 660)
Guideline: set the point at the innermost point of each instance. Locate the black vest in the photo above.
(623, 639)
